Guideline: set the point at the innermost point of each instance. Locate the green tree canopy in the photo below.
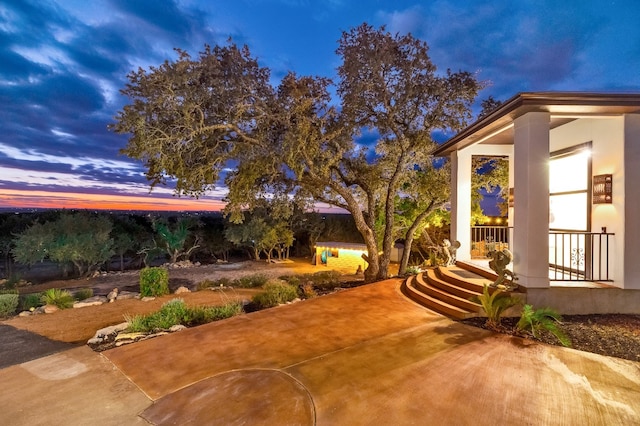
(189, 119)
(79, 239)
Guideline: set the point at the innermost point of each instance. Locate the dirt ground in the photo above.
(79, 325)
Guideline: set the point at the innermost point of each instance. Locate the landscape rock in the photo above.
(113, 295)
(48, 309)
(25, 314)
(128, 295)
(177, 327)
(130, 336)
(106, 332)
(148, 299)
(91, 301)
(182, 289)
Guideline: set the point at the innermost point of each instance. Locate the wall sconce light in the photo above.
(510, 200)
(602, 189)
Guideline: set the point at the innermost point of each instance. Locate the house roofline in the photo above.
(582, 103)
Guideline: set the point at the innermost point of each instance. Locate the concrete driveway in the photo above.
(361, 356)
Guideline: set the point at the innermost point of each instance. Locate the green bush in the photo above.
(63, 299)
(8, 303)
(154, 282)
(176, 312)
(220, 282)
(250, 281)
(31, 300)
(323, 280)
(275, 293)
(84, 293)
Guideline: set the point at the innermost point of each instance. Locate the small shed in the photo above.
(345, 256)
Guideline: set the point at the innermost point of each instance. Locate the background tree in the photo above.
(77, 239)
(127, 233)
(488, 106)
(177, 238)
(189, 118)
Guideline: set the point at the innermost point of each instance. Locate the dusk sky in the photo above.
(63, 62)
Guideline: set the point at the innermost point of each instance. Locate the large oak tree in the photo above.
(191, 118)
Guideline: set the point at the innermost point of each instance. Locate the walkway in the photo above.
(362, 356)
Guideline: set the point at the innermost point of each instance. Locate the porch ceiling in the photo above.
(497, 127)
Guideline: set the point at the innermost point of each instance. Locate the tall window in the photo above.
(569, 179)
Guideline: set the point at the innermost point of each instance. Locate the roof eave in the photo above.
(536, 101)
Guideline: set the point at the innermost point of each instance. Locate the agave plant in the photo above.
(494, 304)
(537, 320)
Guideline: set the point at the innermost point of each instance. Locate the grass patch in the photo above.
(176, 312)
(29, 301)
(84, 293)
(63, 299)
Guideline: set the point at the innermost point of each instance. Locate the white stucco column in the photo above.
(531, 199)
(461, 202)
(631, 228)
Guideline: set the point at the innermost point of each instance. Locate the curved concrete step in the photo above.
(445, 292)
(439, 306)
(462, 278)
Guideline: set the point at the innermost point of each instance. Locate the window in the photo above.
(569, 180)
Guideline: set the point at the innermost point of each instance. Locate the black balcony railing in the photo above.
(573, 256)
(580, 256)
(487, 238)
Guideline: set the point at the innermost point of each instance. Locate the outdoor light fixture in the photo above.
(510, 200)
(602, 189)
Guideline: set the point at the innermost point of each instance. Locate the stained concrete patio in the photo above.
(361, 356)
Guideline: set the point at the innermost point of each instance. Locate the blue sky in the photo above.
(63, 62)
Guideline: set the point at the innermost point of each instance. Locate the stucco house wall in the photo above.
(607, 157)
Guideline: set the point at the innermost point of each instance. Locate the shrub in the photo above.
(495, 304)
(176, 312)
(308, 291)
(63, 299)
(84, 293)
(154, 282)
(326, 280)
(220, 282)
(28, 301)
(542, 319)
(250, 281)
(413, 270)
(275, 293)
(8, 303)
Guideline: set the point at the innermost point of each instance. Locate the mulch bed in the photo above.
(616, 335)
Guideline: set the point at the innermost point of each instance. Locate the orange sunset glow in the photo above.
(72, 200)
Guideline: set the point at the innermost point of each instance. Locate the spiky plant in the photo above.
(537, 320)
(494, 304)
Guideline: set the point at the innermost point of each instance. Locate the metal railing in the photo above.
(580, 256)
(487, 238)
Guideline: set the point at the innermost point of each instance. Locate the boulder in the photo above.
(182, 289)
